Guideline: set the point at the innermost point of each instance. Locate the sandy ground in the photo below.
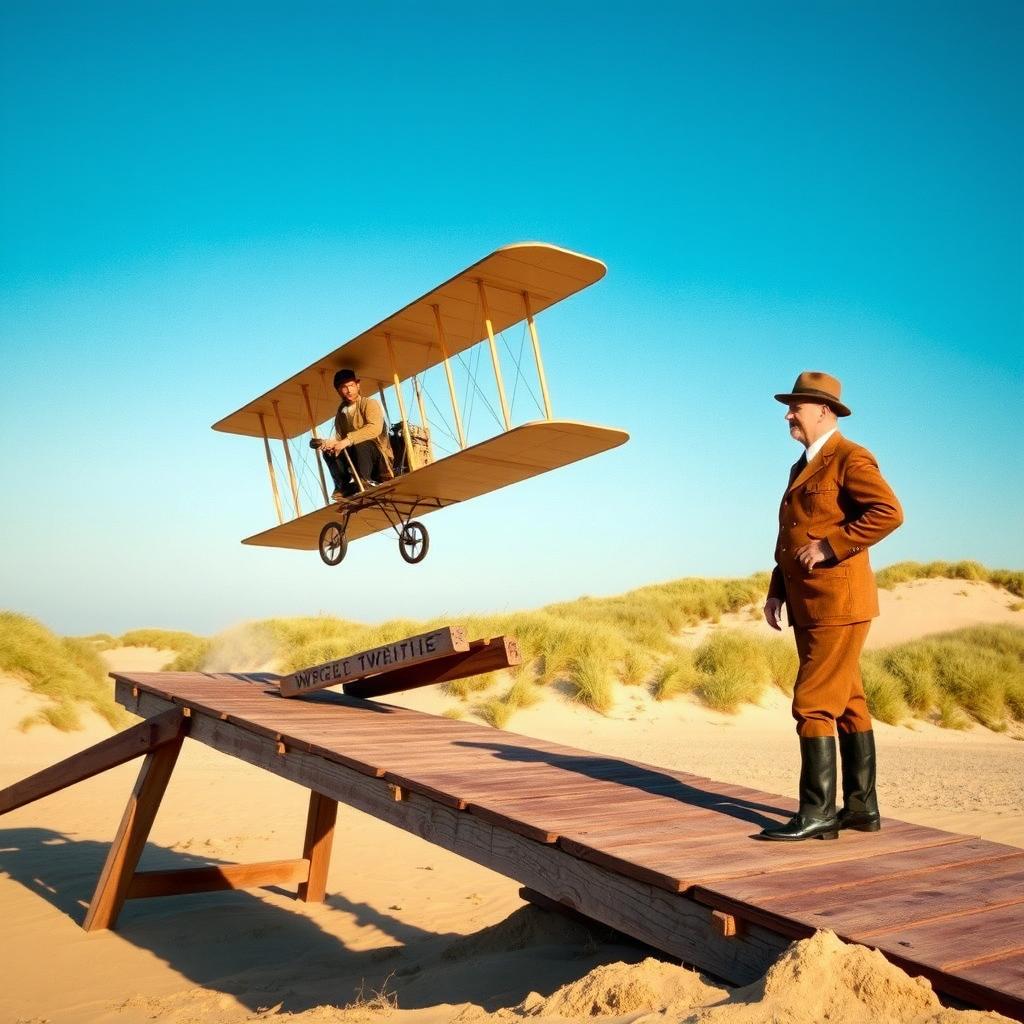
(408, 922)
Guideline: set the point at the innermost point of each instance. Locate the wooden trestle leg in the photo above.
(112, 888)
(323, 812)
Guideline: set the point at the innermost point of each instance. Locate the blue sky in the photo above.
(199, 199)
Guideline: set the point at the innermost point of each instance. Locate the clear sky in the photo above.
(199, 199)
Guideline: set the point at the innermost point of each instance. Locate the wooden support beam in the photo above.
(216, 878)
(144, 802)
(483, 656)
(109, 753)
(320, 821)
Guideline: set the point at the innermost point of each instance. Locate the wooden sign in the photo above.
(483, 656)
(413, 651)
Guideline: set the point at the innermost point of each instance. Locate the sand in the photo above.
(412, 933)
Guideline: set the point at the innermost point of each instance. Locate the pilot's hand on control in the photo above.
(814, 553)
(773, 612)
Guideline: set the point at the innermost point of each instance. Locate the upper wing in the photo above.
(546, 273)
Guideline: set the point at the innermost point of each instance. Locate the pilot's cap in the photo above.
(343, 377)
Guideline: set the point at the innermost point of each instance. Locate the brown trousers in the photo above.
(829, 692)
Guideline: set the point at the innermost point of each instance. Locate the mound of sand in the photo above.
(612, 990)
(821, 980)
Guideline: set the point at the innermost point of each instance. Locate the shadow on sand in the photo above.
(267, 953)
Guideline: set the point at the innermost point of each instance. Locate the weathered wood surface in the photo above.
(410, 652)
(217, 877)
(652, 852)
(316, 847)
(109, 753)
(482, 656)
(139, 814)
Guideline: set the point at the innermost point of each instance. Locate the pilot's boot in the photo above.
(860, 804)
(816, 818)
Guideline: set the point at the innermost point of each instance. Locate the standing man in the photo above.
(835, 507)
(359, 430)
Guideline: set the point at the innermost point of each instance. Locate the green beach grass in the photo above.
(587, 648)
(67, 671)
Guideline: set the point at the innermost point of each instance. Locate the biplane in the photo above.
(423, 349)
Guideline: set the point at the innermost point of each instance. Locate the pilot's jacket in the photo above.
(363, 420)
(841, 497)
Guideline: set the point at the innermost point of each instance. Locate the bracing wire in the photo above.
(518, 361)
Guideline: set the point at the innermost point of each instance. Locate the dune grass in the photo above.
(67, 671)
(729, 669)
(974, 674)
(587, 648)
(903, 572)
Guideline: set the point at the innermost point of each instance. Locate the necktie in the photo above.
(801, 463)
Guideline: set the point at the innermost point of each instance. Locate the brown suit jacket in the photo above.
(841, 497)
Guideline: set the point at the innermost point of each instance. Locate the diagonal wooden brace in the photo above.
(109, 753)
(119, 869)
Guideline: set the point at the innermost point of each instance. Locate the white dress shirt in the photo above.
(813, 449)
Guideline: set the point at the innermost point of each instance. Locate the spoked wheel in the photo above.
(333, 543)
(414, 542)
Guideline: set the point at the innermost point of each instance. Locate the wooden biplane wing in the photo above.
(520, 281)
(515, 455)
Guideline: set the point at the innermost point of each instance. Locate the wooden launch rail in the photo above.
(664, 856)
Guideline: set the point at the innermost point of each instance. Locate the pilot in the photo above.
(359, 431)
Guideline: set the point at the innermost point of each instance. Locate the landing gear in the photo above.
(333, 543)
(413, 542)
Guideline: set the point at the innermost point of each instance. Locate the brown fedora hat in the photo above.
(812, 386)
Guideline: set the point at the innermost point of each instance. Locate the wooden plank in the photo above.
(410, 652)
(782, 886)
(482, 656)
(316, 847)
(889, 903)
(139, 814)
(216, 877)
(679, 868)
(147, 703)
(998, 983)
(899, 903)
(109, 753)
(957, 941)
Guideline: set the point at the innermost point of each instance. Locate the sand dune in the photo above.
(407, 923)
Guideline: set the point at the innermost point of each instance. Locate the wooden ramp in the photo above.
(661, 855)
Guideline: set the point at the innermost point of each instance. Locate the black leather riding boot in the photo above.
(816, 818)
(860, 805)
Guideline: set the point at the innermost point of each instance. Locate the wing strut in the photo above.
(288, 459)
(494, 355)
(270, 469)
(536, 355)
(443, 345)
(410, 456)
(312, 427)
